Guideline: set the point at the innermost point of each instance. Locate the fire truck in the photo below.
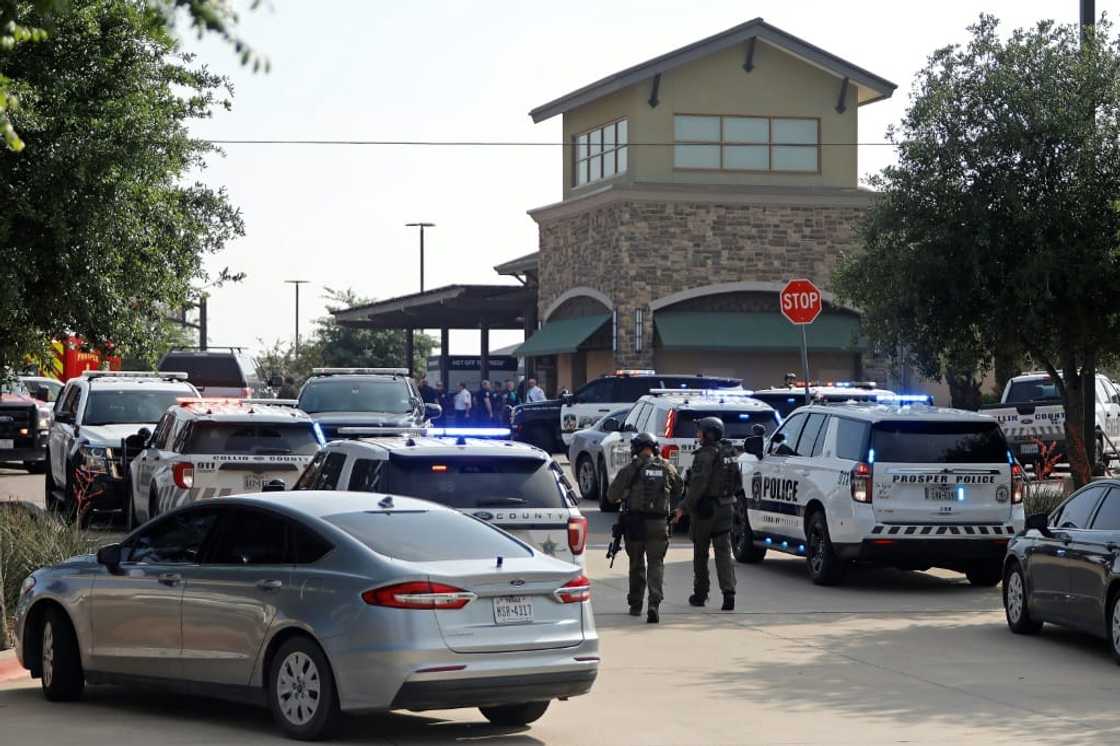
(70, 356)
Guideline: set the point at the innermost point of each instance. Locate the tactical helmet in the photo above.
(713, 425)
(641, 441)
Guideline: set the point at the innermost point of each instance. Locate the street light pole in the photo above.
(296, 284)
(409, 341)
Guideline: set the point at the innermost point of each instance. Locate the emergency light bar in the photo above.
(635, 372)
(359, 432)
(905, 399)
(163, 375)
(468, 432)
(293, 403)
(359, 371)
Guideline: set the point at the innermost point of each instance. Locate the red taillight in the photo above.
(577, 534)
(419, 594)
(246, 393)
(670, 423)
(1018, 484)
(667, 452)
(861, 483)
(574, 591)
(183, 474)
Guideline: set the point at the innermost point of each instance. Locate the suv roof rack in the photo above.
(359, 371)
(162, 375)
(704, 393)
(196, 348)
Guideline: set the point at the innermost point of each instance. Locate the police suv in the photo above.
(671, 416)
(785, 399)
(364, 397)
(513, 486)
(899, 484)
(206, 448)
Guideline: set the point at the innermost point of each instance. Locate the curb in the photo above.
(10, 669)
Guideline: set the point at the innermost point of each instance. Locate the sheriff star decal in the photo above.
(549, 547)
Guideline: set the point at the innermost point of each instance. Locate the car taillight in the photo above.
(1018, 484)
(670, 423)
(574, 591)
(667, 452)
(577, 534)
(183, 474)
(861, 483)
(419, 594)
(246, 393)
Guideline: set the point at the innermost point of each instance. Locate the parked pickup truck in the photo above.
(1033, 420)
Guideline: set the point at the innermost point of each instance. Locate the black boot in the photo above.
(697, 599)
(652, 617)
(636, 610)
(728, 602)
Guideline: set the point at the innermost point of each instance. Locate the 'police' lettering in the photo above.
(779, 489)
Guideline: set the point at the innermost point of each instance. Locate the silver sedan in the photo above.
(314, 603)
(587, 458)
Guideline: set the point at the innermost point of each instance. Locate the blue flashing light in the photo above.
(1010, 457)
(469, 432)
(785, 545)
(791, 400)
(769, 540)
(870, 456)
(960, 493)
(905, 399)
(801, 548)
(318, 433)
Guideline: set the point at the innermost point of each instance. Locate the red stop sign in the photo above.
(800, 301)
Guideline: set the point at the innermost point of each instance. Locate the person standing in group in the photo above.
(645, 487)
(445, 401)
(510, 399)
(427, 393)
(710, 505)
(484, 404)
(533, 392)
(462, 405)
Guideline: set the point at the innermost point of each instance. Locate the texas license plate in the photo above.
(939, 492)
(7, 444)
(1031, 448)
(252, 483)
(513, 610)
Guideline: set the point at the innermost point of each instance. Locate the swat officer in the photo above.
(710, 505)
(646, 487)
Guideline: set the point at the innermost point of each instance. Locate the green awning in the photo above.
(761, 332)
(565, 335)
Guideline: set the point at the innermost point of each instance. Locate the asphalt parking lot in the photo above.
(890, 657)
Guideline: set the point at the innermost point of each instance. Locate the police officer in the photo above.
(647, 486)
(710, 505)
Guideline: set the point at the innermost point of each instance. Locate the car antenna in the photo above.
(386, 502)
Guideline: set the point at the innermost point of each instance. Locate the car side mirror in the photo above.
(753, 445)
(274, 485)
(109, 556)
(567, 399)
(1040, 522)
(42, 393)
(137, 440)
(629, 428)
(611, 425)
(433, 411)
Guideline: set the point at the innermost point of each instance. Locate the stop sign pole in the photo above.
(800, 303)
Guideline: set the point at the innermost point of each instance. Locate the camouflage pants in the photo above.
(716, 533)
(647, 563)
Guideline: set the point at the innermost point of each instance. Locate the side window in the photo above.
(68, 402)
(657, 422)
(636, 413)
(179, 434)
(304, 545)
(643, 422)
(249, 537)
(818, 446)
(159, 435)
(632, 389)
(792, 431)
(1076, 512)
(1108, 517)
(311, 473)
(177, 539)
(363, 475)
(851, 439)
(809, 434)
(1103, 396)
(327, 478)
(596, 392)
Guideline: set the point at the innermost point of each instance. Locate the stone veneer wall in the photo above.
(650, 249)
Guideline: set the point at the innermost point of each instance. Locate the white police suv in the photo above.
(785, 399)
(893, 483)
(203, 448)
(514, 486)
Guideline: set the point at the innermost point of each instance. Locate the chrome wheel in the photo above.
(48, 654)
(586, 477)
(1015, 602)
(816, 551)
(298, 688)
(1116, 627)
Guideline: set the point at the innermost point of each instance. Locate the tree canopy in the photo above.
(998, 227)
(102, 232)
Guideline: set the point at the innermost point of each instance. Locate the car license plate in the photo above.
(513, 610)
(1031, 448)
(252, 483)
(939, 492)
(7, 444)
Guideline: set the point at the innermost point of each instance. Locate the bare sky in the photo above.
(443, 70)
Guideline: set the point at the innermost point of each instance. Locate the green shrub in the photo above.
(30, 539)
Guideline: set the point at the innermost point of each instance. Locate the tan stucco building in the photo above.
(695, 185)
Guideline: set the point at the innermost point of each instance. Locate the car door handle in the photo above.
(270, 585)
(170, 579)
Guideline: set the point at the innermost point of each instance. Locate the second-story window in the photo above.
(601, 153)
(773, 144)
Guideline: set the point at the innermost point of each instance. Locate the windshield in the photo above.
(916, 442)
(13, 387)
(479, 482)
(54, 388)
(129, 407)
(782, 402)
(736, 425)
(253, 438)
(1025, 392)
(426, 535)
(207, 370)
(393, 397)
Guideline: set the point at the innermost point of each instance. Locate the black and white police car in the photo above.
(785, 399)
(892, 483)
(514, 486)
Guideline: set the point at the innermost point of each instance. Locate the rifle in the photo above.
(617, 529)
